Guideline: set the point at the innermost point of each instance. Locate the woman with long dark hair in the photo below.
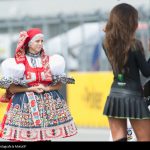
(126, 56)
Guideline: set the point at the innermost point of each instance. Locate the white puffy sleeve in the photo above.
(57, 66)
(11, 72)
(9, 68)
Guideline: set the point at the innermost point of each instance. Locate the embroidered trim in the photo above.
(41, 134)
(34, 108)
(34, 55)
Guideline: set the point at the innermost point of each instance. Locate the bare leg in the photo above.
(141, 128)
(118, 128)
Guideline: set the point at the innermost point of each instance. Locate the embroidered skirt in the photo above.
(126, 104)
(37, 117)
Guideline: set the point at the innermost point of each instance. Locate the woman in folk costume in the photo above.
(36, 110)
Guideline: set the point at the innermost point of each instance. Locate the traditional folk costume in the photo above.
(32, 116)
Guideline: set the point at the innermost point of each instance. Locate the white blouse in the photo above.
(57, 64)
(11, 72)
(9, 67)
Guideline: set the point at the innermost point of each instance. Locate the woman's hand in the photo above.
(51, 88)
(17, 89)
(38, 89)
(42, 88)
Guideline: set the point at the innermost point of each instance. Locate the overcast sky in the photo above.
(108, 4)
(20, 8)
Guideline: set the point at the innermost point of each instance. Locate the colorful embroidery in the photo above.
(34, 108)
(52, 119)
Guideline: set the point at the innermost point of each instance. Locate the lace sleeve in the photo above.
(64, 79)
(5, 82)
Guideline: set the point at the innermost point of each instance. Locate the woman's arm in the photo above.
(141, 61)
(38, 89)
(18, 89)
(51, 88)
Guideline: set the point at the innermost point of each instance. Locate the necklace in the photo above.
(34, 55)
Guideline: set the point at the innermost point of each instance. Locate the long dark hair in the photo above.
(120, 30)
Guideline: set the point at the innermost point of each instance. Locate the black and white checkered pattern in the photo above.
(64, 79)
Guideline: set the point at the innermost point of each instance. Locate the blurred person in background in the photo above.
(126, 56)
(36, 110)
